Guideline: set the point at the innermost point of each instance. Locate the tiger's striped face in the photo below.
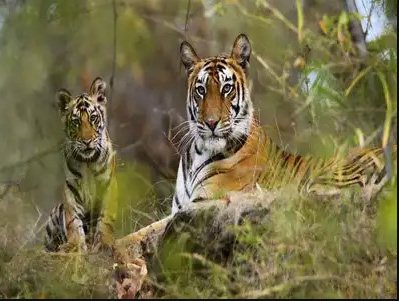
(84, 120)
(219, 107)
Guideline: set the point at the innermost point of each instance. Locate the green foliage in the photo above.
(387, 230)
(137, 204)
(303, 249)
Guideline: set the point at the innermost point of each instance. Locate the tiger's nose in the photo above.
(211, 123)
(87, 142)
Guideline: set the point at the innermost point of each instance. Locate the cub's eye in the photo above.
(200, 90)
(93, 118)
(75, 122)
(227, 88)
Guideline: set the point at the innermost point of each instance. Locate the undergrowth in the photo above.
(302, 248)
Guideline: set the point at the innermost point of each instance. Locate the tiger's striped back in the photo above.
(312, 174)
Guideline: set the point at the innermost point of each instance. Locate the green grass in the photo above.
(303, 248)
(297, 248)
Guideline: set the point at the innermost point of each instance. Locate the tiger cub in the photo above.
(88, 211)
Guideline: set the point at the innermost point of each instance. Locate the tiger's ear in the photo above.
(241, 51)
(63, 99)
(188, 56)
(97, 90)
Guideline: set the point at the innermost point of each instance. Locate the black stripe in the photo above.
(185, 176)
(336, 184)
(72, 170)
(57, 217)
(177, 202)
(62, 222)
(242, 88)
(220, 68)
(297, 159)
(296, 165)
(197, 151)
(48, 230)
(236, 109)
(53, 218)
(380, 176)
(60, 209)
(332, 181)
(286, 158)
(238, 94)
(199, 199)
(75, 192)
(217, 157)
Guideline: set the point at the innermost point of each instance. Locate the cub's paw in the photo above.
(101, 244)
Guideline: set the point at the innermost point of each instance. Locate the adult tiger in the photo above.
(88, 211)
(227, 150)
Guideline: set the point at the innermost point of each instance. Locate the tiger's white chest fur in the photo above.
(192, 170)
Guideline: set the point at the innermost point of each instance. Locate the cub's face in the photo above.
(84, 121)
(219, 107)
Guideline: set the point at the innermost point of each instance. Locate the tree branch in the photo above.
(187, 14)
(112, 79)
(356, 30)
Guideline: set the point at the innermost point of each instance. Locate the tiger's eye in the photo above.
(93, 118)
(201, 90)
(227, 88)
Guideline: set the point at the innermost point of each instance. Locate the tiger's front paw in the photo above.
(104, 248)
(103, 244)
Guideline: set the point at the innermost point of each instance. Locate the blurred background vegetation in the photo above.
(323, 79)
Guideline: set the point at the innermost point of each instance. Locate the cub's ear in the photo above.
(241, 51)
(97, 90)
(188, 56)
(63, 98)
